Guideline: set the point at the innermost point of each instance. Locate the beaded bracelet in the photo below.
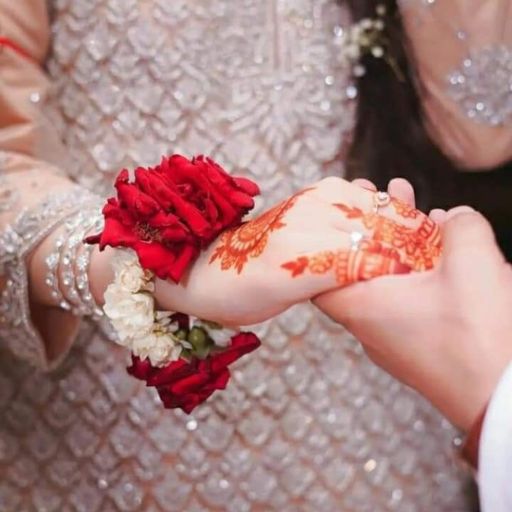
(52, 275)
(68, 264)
(17, 241)
(82, 277)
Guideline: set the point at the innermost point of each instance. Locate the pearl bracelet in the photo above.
(68, 264)
(17, 242)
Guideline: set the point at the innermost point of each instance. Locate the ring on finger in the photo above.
(380, 200)
(355, 240)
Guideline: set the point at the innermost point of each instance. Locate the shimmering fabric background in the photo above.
(307, 424)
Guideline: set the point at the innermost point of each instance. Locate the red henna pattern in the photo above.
(371, 260)
(419, 248)
(237, 246)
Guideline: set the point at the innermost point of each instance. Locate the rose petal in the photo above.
(117, 234)
(168, 375)
(141, 369)
(191, 383)
(241, 199)
(170, 227)
(186, 402)
(133, 198)
(181, 263)
(187, 212)
(185, 204)
(156, 257)
(189, 401)
(241, 344)
(247, 186)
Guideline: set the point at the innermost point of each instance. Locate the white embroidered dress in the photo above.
(307, 423)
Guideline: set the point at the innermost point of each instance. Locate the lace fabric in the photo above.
(307, 423)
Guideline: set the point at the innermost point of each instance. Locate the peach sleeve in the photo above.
(36, 197)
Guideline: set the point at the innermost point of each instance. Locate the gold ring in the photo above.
(380, 200)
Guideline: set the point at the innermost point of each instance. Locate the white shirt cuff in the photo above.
(495, 452)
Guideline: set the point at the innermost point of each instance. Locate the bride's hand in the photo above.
(299, 249)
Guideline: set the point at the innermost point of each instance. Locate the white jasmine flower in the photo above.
(159, 348)
(149, 334)
(129, 274)
(131, 314)
(163, 319)
(222, 337)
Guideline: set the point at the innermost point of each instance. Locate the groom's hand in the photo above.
(447, 332)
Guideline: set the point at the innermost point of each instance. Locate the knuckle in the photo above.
(331, 185)
(474, 225)
(470, 233)
(331, 182)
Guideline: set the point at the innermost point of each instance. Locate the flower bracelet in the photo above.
(160, 222)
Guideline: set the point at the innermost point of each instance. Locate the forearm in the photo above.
(41, 202)
(29, 313)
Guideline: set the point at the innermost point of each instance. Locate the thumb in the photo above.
(378, 298)
(465, 229)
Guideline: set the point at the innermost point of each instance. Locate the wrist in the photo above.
(101, 273)
(476, 388)
(470, 449)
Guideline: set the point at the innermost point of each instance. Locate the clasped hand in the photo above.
(324, 237)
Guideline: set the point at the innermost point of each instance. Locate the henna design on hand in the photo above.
(371, 260)
(420, 248)
(404, 210)
(238, 245)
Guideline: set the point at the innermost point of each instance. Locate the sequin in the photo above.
(482, 85)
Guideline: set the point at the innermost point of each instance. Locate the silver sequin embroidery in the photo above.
(482, 85)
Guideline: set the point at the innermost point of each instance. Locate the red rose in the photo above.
(169, 213)
(186, 384)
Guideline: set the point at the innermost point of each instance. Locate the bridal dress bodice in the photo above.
(307, 423)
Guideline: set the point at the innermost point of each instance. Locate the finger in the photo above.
(401, 189)
(414, 234)
(366, 184)
(343, 267)
(419, 247)
(350, 304)
(380, 299)
(340, 192)
(466, 228)
(438, 215)
(371, 261)
(470, 248)
(459, 209)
